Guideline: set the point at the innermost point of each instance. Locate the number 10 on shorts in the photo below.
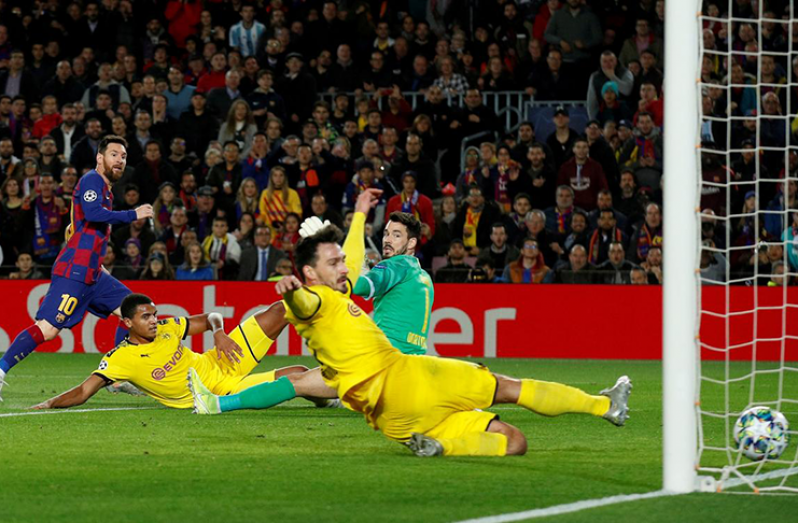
(68, 304)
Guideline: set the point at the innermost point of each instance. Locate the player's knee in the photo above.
(507, 389)
(289, 371)
(48, 331)
(516, 443)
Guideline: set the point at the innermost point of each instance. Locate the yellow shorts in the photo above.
(434, 396)
(255, 344)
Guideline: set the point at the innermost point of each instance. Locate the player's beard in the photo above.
(109, 172)
(393, 251)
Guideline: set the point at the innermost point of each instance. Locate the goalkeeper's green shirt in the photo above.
(403, 297)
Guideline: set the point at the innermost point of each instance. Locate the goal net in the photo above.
(747, 220)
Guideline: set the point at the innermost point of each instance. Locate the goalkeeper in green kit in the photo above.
(401, 289)
(403, 296)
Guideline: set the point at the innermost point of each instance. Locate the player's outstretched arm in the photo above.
(303, 302)
(214, 322)
(75, 396)
(355, 245)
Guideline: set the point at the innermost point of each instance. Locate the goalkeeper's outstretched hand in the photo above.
(311, 226)
(368, 199)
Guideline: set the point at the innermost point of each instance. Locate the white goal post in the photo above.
(680, 286)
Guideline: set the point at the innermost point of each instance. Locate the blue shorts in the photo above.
(68, 300)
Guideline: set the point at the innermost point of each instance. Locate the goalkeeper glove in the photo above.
(311, 226)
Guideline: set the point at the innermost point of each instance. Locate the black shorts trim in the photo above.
(496, 390)
(248, 345)
(494, 418)
(185, 333)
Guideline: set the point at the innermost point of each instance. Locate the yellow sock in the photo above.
(476, 444)
(552, 399)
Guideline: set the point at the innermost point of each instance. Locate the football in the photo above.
(760, 433)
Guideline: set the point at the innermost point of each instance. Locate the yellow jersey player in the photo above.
(433, 405)
(153, 356)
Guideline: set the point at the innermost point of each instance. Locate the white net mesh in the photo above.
(748, 89)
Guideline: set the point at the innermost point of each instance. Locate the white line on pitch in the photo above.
(69, 411)
(567, 508)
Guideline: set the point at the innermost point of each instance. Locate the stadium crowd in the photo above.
(242, 118)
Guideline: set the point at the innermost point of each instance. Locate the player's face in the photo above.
(394, 240)
(144, 323)
(330, 269)
(113, 161)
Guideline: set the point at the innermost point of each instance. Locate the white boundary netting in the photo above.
(747, 95)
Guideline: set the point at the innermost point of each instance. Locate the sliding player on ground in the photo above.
(433, 405)
(79, 283)
(154, 359)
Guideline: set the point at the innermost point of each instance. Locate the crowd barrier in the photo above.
(476, 320)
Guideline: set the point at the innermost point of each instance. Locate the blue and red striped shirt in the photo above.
(87, 235)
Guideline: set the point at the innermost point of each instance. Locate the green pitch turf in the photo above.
(299, 463)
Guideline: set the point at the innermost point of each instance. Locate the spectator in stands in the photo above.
(775, 222)
(221, 99)
(153, 171)
(16, 80)
(216, 76)
(244, 36)
(653, 266)
(475, 116)
(450, 82)
(579, 232)
(156, 268)
(105, 82)
(535, 229)
(120, 272)
(415, 161)
(530, 267)
(178, 95)
(239, 127)
(225, 177)
(550, 82)
(163, 206)
(500, 253)
(713, 267)
(601, 151)
(603, 202)
(576, 270)
(363, 179)
(610, 71)
(456, 270)
(474, 220)
(63, 86)
(651, 103)
(264, 101)
(643, 39)
(421, 77)
(69, 179)
(584, 175)
(222, 250)
(196, 266)
(643, 152)
(259, 261)
(561, 141)
(497, 78)
(610, 108)
(617, 269)
(197, 125)
(278, 199)
(297, 88)
(558, 216)
(646, 234)
(412, 202)
(84, 153)
(790, 239)
(638, 276)
(577, 31)
(68, 133)
(605, 234)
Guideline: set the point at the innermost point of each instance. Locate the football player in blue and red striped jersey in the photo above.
(79, 282)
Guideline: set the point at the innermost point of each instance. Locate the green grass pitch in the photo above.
(300, 463)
